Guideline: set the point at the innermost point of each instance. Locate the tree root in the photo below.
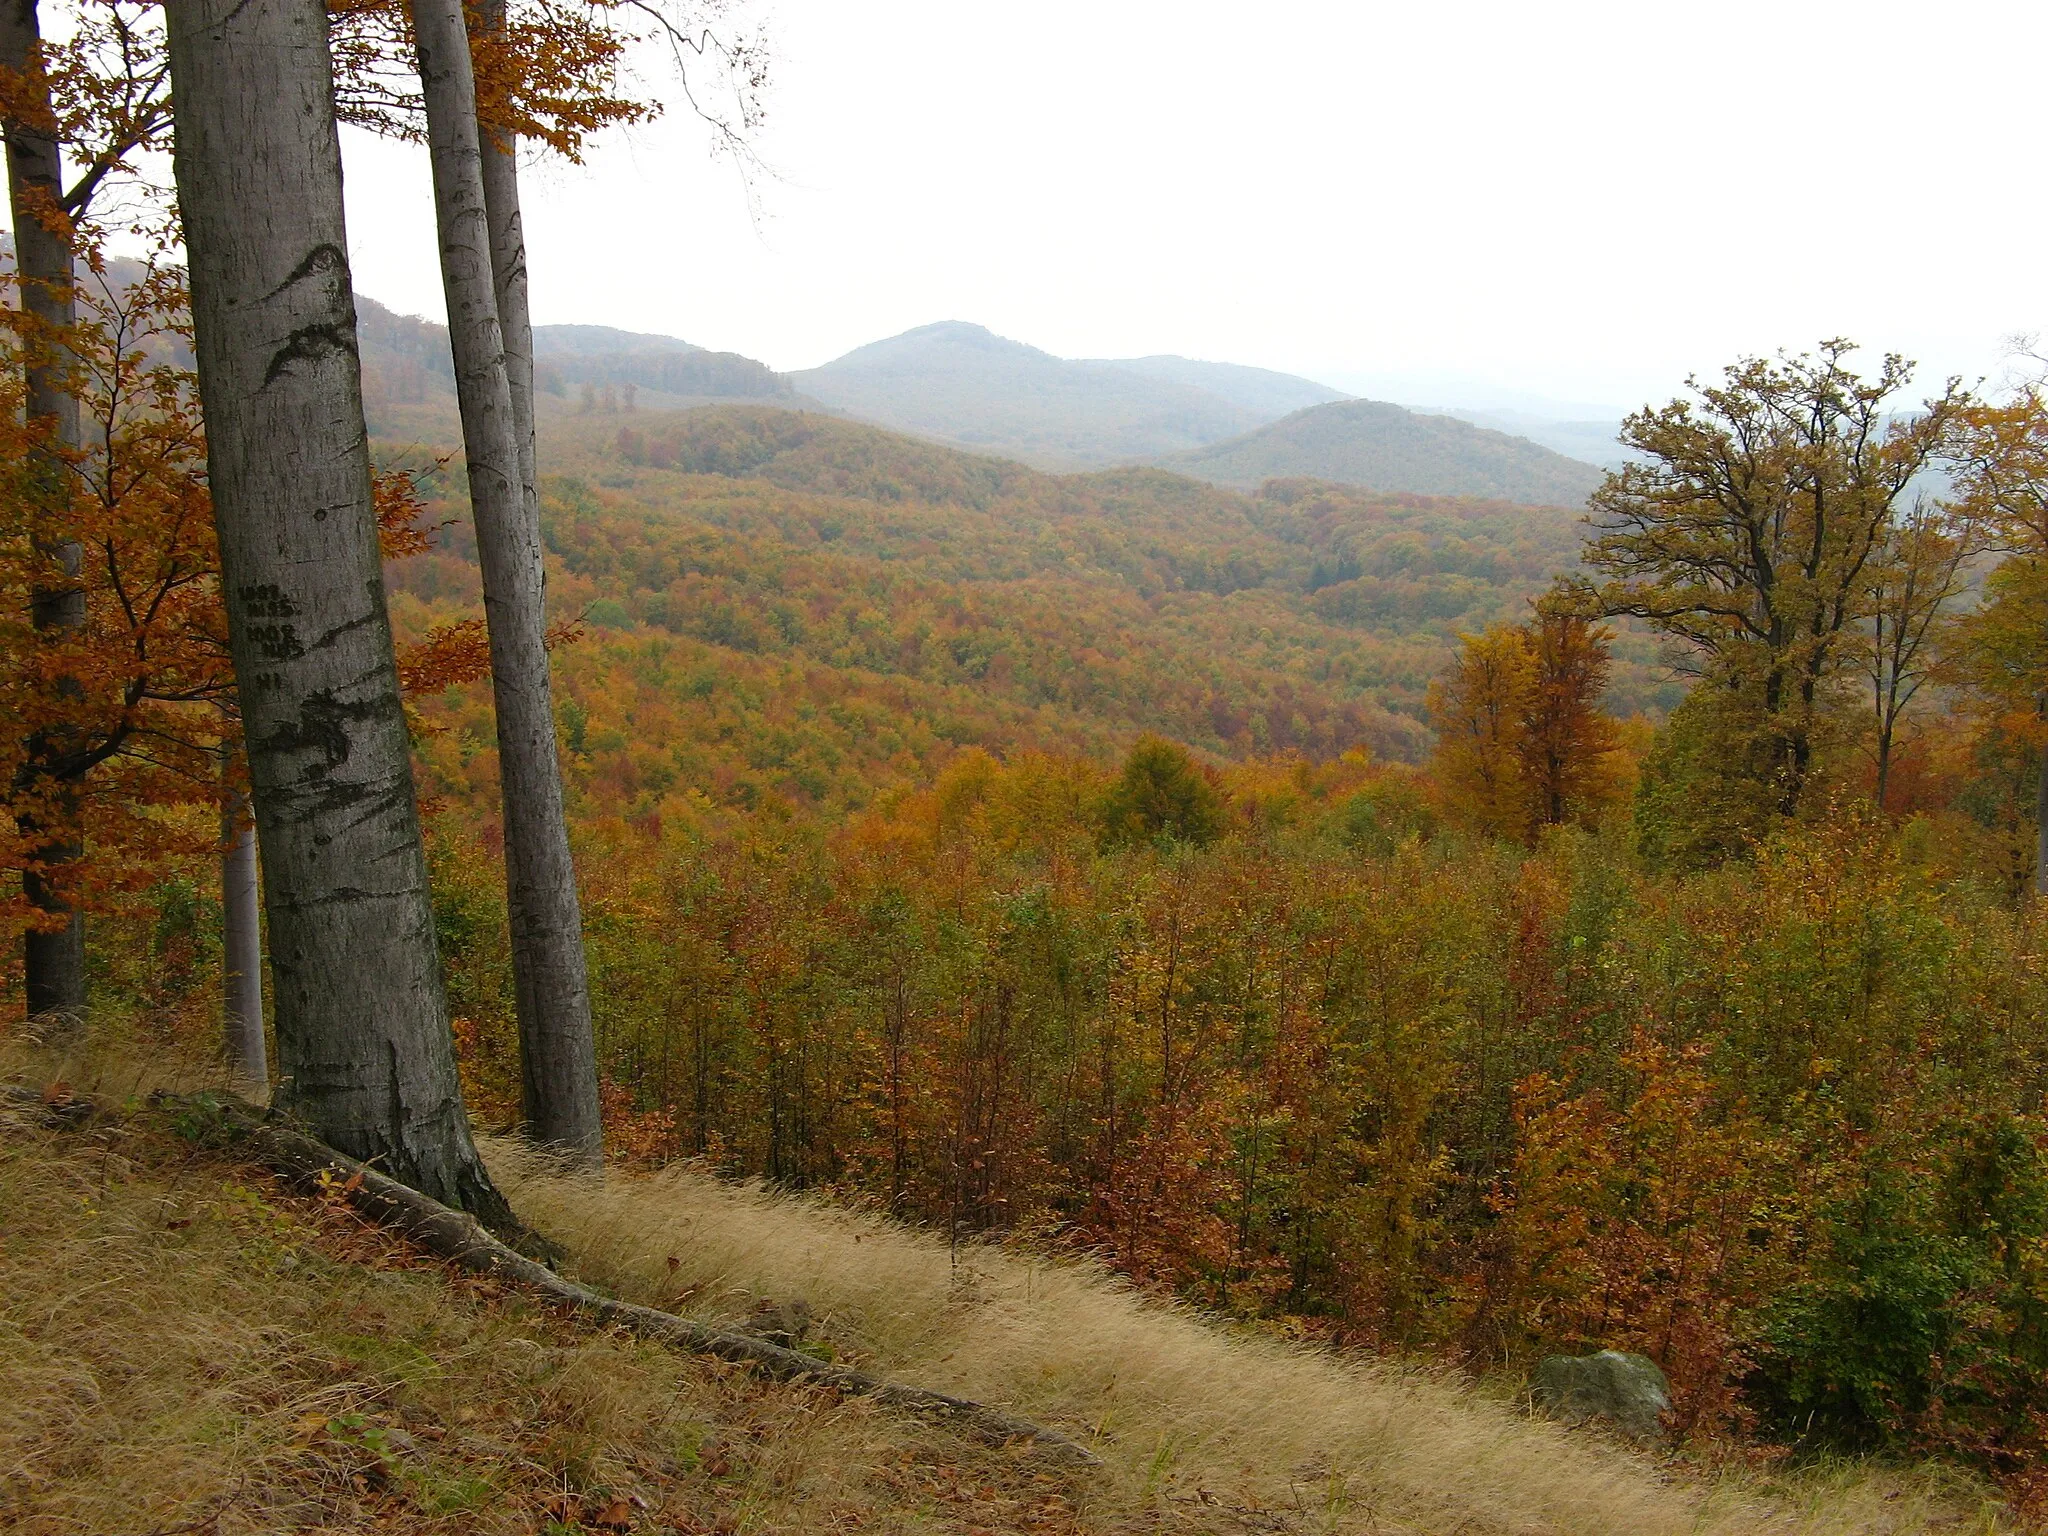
(458, 1237)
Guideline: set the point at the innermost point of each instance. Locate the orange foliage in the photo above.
(114, 724)
(1654, 1219)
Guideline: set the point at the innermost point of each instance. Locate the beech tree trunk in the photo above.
(365, 1056)
(557, 1050)
(53, 955)
(241, 939)
(508, 271)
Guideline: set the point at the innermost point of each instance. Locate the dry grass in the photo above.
(185, 1347)
(1182, 1410)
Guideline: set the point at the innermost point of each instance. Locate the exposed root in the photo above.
(458, 1237)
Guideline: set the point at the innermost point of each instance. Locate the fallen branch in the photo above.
(458, 1237)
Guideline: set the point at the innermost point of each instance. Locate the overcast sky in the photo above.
(1438, 203)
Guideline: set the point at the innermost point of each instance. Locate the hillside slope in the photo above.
(1590, 441)
(409, 372)
(1261, 390)
(793, 606)
(1387, 448)
(965, 385)
(191, 1347)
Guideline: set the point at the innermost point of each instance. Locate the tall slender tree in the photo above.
(1920, 573)
(54, 947)
(557, 1049)
(500, 149)
(365, 1053)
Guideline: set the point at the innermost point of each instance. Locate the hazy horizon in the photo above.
(1472, 207)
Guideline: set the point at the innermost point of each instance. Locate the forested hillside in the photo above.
(1478, 927)
(961, 385)
(1371, 443)
(1235, 426)
(782, 604)
(409, 372)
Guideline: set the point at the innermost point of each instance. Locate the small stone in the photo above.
(1627, 1390)
(785, 1323)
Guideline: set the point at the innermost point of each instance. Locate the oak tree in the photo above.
(1749, 523)
(2003, 649)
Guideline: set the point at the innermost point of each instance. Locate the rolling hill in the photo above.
(1386, 448)
(1591, 440)
(409, 374)
(788, 606)
(964, 385)
(1261, 390)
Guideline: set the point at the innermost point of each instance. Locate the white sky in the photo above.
(1441, 203)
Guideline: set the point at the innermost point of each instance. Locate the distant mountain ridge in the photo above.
(962, 385)
(407, 359)
(586, 340)
(1271, 394)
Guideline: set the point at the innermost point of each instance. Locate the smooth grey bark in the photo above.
(364, 1051)
(53, 960)
(508, 271)
(241, 940)
(558, 1058)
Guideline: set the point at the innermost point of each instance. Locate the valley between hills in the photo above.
(963, 386)
(610, 938)
(786, 603)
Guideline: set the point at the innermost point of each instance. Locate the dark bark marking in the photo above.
(325, 726)
(309, 344)
(266, 600)
(325, 258)
(334, 635)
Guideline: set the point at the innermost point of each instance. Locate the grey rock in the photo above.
(1626, 1389)
(786, 1323)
